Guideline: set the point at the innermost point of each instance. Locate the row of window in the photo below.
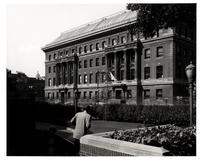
(97, 78)
(159, 72)
(147, 75)
(102, 94)
(86, 48)
(159, 52)
(97, 63)
(159, 93)
(91, 64)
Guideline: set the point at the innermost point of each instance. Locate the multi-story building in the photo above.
(146, 70)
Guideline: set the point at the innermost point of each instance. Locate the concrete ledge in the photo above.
(99, 145)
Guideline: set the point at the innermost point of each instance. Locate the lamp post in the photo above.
(190, 73)
(75, 82)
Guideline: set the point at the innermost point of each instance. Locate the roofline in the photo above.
(59, 43)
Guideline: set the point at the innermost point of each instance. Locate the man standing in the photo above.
(82, 121)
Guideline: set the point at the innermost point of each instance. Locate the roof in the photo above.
(108, 22)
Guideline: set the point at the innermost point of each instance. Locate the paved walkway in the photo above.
(97, 126)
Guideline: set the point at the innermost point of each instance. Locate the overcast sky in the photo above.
(30, 27)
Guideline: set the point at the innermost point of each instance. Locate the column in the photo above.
(125, 64)
(66, 73)
(116, 63)
(136, 63)
(57, 74)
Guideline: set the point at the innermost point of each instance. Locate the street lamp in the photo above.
(190, 73)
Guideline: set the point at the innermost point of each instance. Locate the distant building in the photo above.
(144, 70)
(19, 86)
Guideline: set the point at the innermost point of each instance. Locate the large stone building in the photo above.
(142, 70)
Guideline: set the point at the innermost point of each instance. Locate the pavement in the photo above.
(97, 126)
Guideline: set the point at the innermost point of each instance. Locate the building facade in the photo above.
(81, 61)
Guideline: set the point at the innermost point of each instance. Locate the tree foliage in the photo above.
(152, 17)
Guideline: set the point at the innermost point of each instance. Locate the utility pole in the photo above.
(75, 82)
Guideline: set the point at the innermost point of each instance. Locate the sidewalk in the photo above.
(97, 126)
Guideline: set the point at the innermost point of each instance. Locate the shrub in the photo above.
(54, 113)
(179, 141)
(152, 114)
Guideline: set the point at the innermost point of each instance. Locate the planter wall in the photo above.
(99, 145)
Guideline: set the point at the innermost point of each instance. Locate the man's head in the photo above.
(87, 108)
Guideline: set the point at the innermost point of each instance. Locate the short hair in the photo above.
(87, 108)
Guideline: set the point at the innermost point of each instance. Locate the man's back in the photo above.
(82, 124)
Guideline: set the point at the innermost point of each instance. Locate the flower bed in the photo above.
(179, 141)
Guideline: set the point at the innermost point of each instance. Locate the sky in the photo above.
(32, 26)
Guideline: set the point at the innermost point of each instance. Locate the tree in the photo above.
(152, 17)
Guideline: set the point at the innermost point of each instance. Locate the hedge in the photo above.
(152, 114)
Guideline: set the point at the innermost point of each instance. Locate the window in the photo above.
(97, 61)
(79, 64)
(85, 63)
(73, 51)
(103, 78)
(90, 95)
(146, 72)
(85, 78)
(49, 69)
(132, 58)
(60, 53)
(121, 74)
(53, 95)
(91, 77)
(97, 46)
(79, 79)
(69, 94)
(49, 95)
(57, 95)
(54, 56)
(159, 71)
(132, 74)
(118, 94)
(114, 42)
(123, 39)
(159, 93)
(91, 48)
(49, 82)
(54, 69)
(84, 94)
(96, 95)
(104, 60)
(146, 93)
(80, 50)
(49, 57)
(147, 53)
(97, 77)
(66, 52)
(103, 45)
(91, 62)
(54, 81)
(85, 49)
(159, 51)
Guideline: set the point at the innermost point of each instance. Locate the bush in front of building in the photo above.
(149, 114)
(54, 113)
